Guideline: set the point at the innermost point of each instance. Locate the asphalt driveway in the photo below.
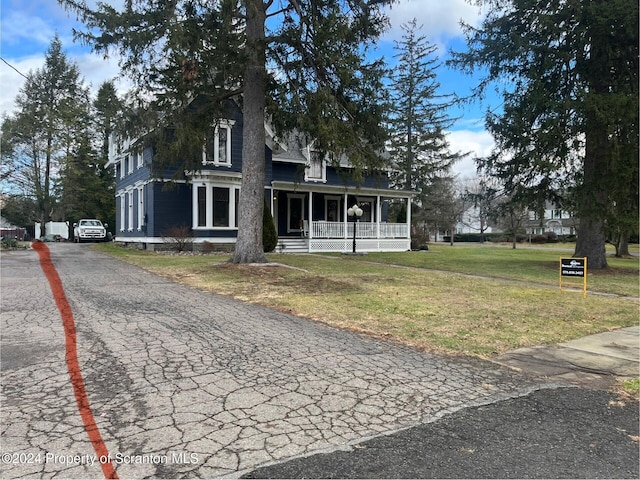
(183, 383)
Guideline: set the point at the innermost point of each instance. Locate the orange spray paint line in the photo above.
(73, 366)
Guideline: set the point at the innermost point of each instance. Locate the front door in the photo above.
(295, 213)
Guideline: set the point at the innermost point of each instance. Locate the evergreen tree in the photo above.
(81, 185)
(40, 136)
(418, 116)
(187, 57)
(269, 233)
(569, 78)
(108, 109)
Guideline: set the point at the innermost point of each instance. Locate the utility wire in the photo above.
(19, 72)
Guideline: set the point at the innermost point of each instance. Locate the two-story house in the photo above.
(308, 197)
(554, 219)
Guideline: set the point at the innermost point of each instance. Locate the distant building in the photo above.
(553, 220)
(472, 221)
(7, 230)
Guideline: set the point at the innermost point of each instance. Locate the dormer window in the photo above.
(316, 167)
(218, 148)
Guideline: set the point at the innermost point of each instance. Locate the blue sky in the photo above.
(28, 26)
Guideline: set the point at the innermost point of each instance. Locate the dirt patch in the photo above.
(293, 278)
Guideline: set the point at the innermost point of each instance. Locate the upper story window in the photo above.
(140, 158)
(217, 151)
(316, 167)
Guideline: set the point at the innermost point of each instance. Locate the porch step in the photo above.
(292, 245)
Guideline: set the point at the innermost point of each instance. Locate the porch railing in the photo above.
(322, 229)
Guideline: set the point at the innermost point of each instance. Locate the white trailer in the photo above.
(53, 230)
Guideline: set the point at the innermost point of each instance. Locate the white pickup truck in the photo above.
(89, 229)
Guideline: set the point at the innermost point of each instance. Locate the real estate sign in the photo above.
(574, 268)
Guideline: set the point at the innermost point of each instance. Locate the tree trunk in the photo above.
(622, 245)
(594, 196)
(251, 202)
(591, 237)
(591, 243)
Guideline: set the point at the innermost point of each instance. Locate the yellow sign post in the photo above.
(574, 268)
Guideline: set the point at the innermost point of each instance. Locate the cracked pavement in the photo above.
(184, 383)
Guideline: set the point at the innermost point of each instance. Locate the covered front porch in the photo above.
(314, 218)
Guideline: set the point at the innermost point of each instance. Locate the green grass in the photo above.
(420, 298)
(632, 385)
(524, 264)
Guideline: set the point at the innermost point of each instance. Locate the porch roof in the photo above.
(341, 189)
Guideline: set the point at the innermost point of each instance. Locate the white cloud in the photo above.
(33, 23)
(94, 70)
(441, 19)
(19, 26)
(477, 143)
(28, 27)
(11, 81)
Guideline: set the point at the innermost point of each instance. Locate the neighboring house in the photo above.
(553, 220)
(472, 221)
(8, 230)
(307, 197)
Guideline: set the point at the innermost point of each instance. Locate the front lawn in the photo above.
(449, 299)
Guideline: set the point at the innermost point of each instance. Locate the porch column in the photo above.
(345, 216)
(310, 216)
(273, 207)
(194, 204)
(378, 216)
(270, 190)
(409, 218)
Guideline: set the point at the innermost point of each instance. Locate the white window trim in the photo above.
(228, 125)
(140, 207)
(130, 210)
(209, 205)
(123, 200)
(123, 165)
(140, 157)
(372, 202)
(323, 168)
(327, 198)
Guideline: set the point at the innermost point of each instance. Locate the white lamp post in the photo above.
(356, 213)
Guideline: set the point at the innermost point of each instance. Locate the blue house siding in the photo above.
(171, 208)
(236, 140)
(139, 174)
(287, 172)
(294, 172)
